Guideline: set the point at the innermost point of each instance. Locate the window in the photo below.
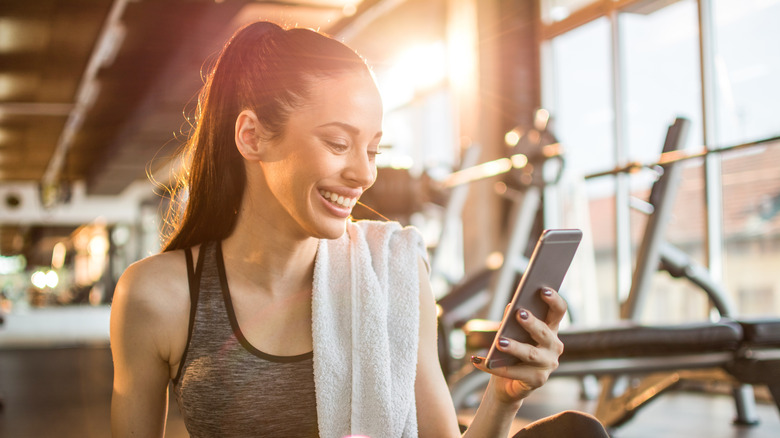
(747, 67)
(746, 107)
(751, 223)
(618, 73)
(660, 62)
(661, 80)
(582, 120)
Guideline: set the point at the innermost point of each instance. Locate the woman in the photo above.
(274, 314)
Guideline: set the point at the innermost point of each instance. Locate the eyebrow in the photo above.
(353, 130)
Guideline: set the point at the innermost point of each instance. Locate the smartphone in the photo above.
(549, 263)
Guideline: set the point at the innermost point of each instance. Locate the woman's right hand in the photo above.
(511, 384)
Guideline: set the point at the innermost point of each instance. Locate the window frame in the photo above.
(713, 195)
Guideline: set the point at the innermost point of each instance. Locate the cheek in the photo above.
(373, 180)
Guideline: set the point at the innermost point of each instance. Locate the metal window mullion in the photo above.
(744, 397)
(713, 191)
(623, 264)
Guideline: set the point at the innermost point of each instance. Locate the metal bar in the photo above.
(680, 264)
(503, 165)
(662, 197)
(744, 399)
(453, 217)
(522, 221)
(713, 193)
(623, 257)
(672, 157)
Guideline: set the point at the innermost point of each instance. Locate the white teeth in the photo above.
(339, 199)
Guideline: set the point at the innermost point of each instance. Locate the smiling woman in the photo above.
(269, 72)
(328, 146)
(270, 310)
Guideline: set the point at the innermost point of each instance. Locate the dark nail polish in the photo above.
(547, 292)
(476, 359)
(523, 314)
(503, 342)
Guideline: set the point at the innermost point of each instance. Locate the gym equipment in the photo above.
(659, 357)
(486, 293)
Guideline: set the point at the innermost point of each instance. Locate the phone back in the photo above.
(549, 263)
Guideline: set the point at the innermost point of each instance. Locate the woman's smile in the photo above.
(342, 201)
(338, 205)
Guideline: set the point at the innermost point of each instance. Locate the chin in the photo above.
(332, 231)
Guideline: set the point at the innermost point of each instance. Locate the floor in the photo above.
(62, 388)
(677, 413)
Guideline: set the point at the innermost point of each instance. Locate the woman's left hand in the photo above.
(511, 384)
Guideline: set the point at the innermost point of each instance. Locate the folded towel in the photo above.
(365, 322)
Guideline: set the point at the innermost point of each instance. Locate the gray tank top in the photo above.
(224, 386)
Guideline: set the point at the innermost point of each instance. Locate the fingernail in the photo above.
(503, 342)
(547, 292)
(476, 359)
(522, 314)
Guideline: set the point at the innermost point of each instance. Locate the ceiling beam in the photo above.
(108, 43)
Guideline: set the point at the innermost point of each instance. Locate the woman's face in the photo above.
(326, 157)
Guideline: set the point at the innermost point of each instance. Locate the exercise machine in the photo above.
(653, 359)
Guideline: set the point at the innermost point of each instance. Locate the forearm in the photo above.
(493, 418)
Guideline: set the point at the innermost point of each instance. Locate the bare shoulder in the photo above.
(151, 304)
(159, 280)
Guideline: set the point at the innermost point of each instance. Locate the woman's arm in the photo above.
(141, 331)
(508, 386)
(436, 415)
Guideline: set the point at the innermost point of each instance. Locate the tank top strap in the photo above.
(193, 280)
(190, 267)
(194, 272)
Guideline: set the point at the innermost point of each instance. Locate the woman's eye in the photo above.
(339, 147)
(373, 153)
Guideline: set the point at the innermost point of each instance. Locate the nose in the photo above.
(361, 169)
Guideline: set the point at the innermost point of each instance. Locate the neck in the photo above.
(274, 260)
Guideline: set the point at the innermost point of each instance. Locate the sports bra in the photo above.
(225, 386)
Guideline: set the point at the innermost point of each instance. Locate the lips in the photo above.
(339, 200)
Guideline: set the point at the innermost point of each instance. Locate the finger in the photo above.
(510, 372)
(557, 307)
(528, 376)
(480, 363)
(530, 355)
(545, 336)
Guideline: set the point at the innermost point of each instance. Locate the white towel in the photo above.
(365, 322)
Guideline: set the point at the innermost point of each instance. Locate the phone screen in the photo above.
(549, 263)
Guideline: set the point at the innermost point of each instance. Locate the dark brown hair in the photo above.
(264, 68)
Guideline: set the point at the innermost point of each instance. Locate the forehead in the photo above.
(351, 98)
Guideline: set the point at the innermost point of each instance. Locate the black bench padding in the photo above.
(761, 332)
(748, 350)
(628, 340)
(641, 341)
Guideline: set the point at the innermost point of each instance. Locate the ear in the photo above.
(248, 139)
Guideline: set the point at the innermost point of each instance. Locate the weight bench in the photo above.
(741, 352)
